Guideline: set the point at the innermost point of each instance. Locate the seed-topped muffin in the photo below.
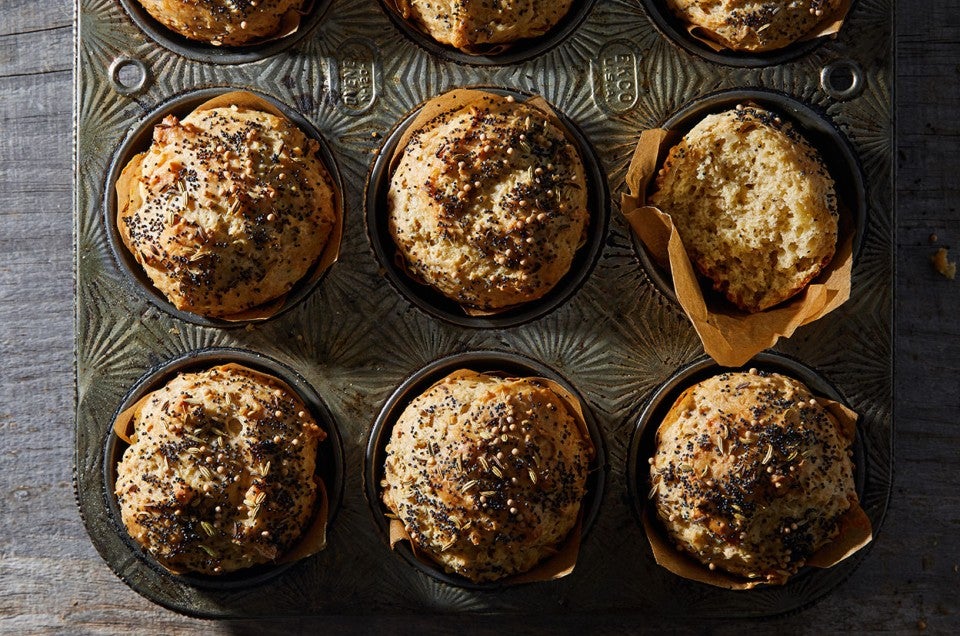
(227, 210)
(469, 24)
(753, 203)
(488, 203)
(219, 474)
(751, 474)
(224, 22)
(754, 25)
(486, 474)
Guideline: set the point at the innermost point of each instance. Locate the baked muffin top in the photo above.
(753, 203)
(224, 22)
(471, 24)
(220, 472)
(754, 25)
(487, 474)
(228, 209)
(488, 203)
(751, 474)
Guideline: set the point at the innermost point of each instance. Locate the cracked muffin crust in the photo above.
(227, 210)
(751, 474)
(487, 474)
(753, 203)
(488, 203)
(220, 472)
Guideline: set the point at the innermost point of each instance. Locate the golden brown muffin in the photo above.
(487, 474)
(488, 204)
(229, 209)
(220, 472)
(223, 22)
(468, 24)
(751, 474)
(753, 203)
(754, 25)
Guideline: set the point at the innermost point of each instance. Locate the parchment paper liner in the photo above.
(128, 195)
(829, 24)
(476, 49)
(729, 336)
(562, 562)
(313, 538)
(855, 529)
(453, 101)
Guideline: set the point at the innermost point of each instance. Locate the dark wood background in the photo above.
(52, 580)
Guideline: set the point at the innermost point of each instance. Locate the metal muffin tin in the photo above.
(353, 338)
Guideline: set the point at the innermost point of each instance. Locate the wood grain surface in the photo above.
(52, 580)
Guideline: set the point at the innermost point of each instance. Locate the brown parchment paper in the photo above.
(729, 336)
(563, 561)
(855, 530)
(128, 196)
(829, 25)
(314, 537)
(451, 102)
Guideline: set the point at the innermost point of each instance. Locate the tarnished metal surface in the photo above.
(355, 338)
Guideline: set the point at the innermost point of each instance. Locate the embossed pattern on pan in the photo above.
(330, 466)
(355, 339)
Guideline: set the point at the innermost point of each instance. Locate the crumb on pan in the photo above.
(945, 267)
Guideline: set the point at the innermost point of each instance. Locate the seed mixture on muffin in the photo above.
(223, 22)
(487, 474)
(220, 472)
(751, 474)
(228, 209)
(488, 203)
(468, 24)
(754, 25)
(753, 203)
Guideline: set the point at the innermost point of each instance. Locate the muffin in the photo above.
(227, 210)
(224, 22)
(488, 203)
(753, 203)
(487, 474)
(219, 475)
(751, 475)
(754, 25)
(469, 24)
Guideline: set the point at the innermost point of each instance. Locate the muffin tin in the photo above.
(615, 337)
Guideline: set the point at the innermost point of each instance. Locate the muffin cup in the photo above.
(502, 364)
(729, 335)
(329, 474)
(121, 182)
(699, 41)
(492, 54)
(295, 26)
(855, 526)
(428, 299)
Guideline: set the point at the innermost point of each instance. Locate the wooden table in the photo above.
(51, 579)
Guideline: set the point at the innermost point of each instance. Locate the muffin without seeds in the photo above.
(488, 203)
(487, 474)
(753, 203)
(220, 472)
(751, 475)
